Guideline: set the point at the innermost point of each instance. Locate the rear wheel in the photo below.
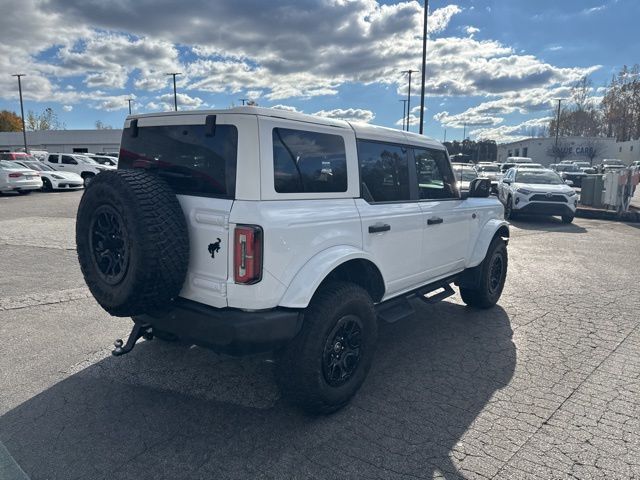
(493, 273)
(325, 365)
(567, 218)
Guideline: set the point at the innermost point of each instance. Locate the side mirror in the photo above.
(507, 181)
(480, 188)
(569, 182)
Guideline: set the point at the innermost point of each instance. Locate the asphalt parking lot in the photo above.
(546, 386)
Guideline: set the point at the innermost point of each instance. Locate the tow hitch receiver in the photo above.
(139, 331)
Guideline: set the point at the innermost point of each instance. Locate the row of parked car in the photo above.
(23, 173)
(525, 187)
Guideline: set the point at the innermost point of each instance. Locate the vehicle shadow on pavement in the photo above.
(432, 377)
(545, 224)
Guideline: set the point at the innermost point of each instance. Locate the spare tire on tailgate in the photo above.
(133, 243)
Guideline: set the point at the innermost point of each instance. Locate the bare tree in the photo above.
(592, 148)
(47, 120)
(100, 125)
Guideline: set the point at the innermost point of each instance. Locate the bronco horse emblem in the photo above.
(214, 248)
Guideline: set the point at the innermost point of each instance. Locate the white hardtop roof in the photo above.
(362, 130)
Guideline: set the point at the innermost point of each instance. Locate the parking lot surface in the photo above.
(546, 385)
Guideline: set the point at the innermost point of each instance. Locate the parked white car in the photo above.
(53, 179)
(537, 192)
(103, 159)
(16, 178)
(465, 173)
(75, 163)
(490, 171)
(252, 229)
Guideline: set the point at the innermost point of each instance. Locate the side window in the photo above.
(435, 178)
(306, 161)
(52, 159)
(384, 171)
(67, 160)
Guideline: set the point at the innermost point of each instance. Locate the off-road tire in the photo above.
(488, 292)
(300, 370)
(153, 235)
(567, 218)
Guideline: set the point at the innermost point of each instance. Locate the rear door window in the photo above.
(384, 172)
(305, 161)
(68, 160)
(192, 162)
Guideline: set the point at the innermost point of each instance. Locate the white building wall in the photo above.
(538, 148)
(64, 141)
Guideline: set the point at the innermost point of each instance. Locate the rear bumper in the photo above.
(227, 330)
(545, 208)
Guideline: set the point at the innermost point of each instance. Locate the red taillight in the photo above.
(15, 175)
(247, 255)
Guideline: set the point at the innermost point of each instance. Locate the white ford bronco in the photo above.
(253, 230)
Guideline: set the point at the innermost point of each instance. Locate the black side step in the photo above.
(395, 310)
(446, 292)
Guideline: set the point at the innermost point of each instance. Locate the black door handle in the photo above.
(379, 228)
(434, 221)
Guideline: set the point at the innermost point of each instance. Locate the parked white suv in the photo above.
(537, 191)
(76, 163)
(250, 229)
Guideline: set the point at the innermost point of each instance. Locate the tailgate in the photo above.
(209, 249)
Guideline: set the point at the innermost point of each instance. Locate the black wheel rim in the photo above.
(342, 351)
(496, 270)
(109, 244)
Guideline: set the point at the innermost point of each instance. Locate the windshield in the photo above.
(540, 177)
(6, 165)
(465, 174)
(488, 168)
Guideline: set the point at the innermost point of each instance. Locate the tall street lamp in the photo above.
(409, 72)
(175, 94)
(424, 63)
(129, 100)
(24, 130)
(404, 113)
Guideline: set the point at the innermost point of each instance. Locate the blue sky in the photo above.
(494, 65)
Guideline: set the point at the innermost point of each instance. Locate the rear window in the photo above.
(189, 160)
(305, 161)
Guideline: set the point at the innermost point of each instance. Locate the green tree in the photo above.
(10, 122)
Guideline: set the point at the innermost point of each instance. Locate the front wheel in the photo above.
(493, 273)
(508, 209)
(88, 178)
(325, 365)
(46, 185)
(567, 218)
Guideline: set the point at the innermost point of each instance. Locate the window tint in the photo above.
(384, 171)
(192, 162)
(52, 159)
(67, 160)
(308, 161)
(434, 174)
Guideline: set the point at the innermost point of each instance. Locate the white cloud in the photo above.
(286, 108)
(67, 108)
(512, 133)
(471, 30)
(349, 114)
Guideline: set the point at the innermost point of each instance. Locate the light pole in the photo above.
(24, 130)
(404, 113)
(558, 125)
(244, 101)
(409, 72)
(424, 63)
(129, 100)
(175, 94)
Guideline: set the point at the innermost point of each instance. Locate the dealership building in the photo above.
(574, 148)
(64, 141)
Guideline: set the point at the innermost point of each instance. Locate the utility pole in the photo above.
(24, 130)
(424, 63)
(244, 101)
(409, 72)
(175, 94)
(404, 113)
(129, 100)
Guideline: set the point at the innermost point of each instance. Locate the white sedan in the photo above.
(16, 178)
(53, 179)
(537, 192)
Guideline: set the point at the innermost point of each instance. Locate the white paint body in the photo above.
(308, 235)
(27, 180)
(55, 160)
